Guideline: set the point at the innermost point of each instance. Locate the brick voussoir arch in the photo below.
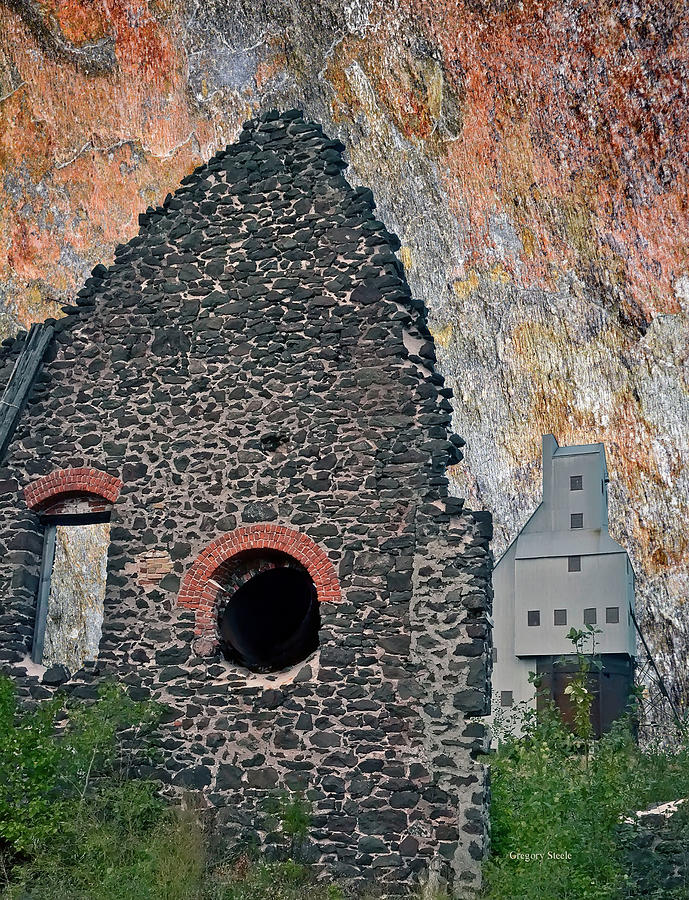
(72, 481)
(200, 593)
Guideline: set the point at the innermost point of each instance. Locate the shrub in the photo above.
(49, 757)
(560, 792)
(291, 816)
(248, 879)
(73, 824)
(122, 845)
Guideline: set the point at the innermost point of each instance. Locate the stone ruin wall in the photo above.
(245, 363)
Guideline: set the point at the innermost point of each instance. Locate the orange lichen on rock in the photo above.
(80, 22)
(88, 152)
(402, 76)
(575, 123)
(532, 157)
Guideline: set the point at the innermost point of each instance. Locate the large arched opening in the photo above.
(256, 593)
(268, 611)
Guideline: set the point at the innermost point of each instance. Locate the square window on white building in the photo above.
(590, 616)
(559, 617)
(576, 520)
(612, 615)
(574, 564)
(576, 482)
(506, 698)
(533, 617)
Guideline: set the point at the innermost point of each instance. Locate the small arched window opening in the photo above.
(268, 611)
(74, 507)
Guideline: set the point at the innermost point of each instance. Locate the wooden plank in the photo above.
(23, 376)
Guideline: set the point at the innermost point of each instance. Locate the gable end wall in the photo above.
(243, 363)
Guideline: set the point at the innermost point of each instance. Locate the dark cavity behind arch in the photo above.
(272, 621)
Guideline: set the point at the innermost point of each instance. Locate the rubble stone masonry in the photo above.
(253, 364)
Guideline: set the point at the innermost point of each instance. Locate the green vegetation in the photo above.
(254, 880)
(50, 760)
(558, 791)
(75, 825)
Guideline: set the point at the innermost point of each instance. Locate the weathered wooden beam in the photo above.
(23, 376)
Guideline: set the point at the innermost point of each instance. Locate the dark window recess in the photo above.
(533, 617)
(590, 616)
(559, 617)
(506, 698)
(610, 688)
(576, 483)
(612, 615)
(272, 621)
(576, 520)
(495, 654)
(574, 564)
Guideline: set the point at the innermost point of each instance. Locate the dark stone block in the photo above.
(259, 512)
(265, 778)
(304, 722)
(26, 540)
(172, 655)
(396, 643)
(133, 471)
(409, 846)
(257, 760)
(169, 673)
(382, 821)
(170, 582)
(85, 691)
(404, 799)
(195, 777)
(55, 675)
(433, 794)
(139, 693)
(272, 698)
(180, 550)
(398, 581)
(470, 701)
(229, 777)
(337, 656)
(39, 693)
(285, 739)
(326, 739)
(331, 784)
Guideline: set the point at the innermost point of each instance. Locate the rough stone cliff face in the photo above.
(531, 156)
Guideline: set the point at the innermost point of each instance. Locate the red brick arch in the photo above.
(72, 481)
(200, 593)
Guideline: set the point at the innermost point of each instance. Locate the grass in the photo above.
(124, 845)
(74, 825)
(549, 794)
